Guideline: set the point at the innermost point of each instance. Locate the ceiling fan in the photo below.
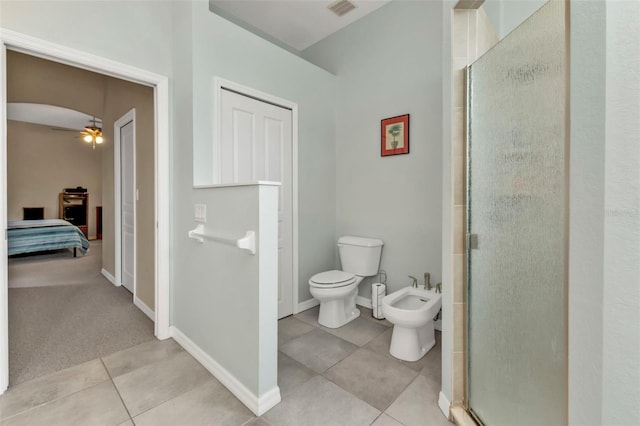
(91, 134)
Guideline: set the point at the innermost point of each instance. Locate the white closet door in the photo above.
(256, 144)
(127, 191)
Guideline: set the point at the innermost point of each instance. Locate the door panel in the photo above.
(127, 158)
(517, 193)
(256, 144)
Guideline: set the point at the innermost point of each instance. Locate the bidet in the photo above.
(411, 311)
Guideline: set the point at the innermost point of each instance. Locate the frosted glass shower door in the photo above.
(516, 224)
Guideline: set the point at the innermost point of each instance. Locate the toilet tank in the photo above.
(360, 256)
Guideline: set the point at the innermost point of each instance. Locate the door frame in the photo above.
(219, 84)
(44, 49)
(117, 201)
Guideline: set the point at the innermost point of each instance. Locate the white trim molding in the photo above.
(110, 277)
(364, 302)
(163, 207)
(294, 207)
(128, 117)
(4, 281)
(88, 61)
(144, 308)
(307, 304)
(444, 405)
(258, 405)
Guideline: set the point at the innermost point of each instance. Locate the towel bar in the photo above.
(248, 242)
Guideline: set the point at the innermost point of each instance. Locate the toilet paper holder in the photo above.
(378, 291)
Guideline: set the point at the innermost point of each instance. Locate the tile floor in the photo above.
(326, 376)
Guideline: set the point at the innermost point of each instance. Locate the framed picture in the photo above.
(395, 135)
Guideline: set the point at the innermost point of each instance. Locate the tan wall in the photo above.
(31, 79)
(42, 162)
(120, 97)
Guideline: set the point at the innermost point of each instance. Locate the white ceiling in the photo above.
(296, 23)
(48, 115)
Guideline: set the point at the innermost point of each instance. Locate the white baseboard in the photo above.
(267, 401)
(444, 405)
(110, 277)
(144, 308)
(307, 304)
(364, 302)
(258, 405)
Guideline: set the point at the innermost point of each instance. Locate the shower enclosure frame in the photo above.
(471, 240)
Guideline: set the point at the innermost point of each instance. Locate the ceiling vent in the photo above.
(341, 7)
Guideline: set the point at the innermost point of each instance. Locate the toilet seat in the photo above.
(332, 279)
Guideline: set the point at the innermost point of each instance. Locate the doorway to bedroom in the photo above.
(66, 310)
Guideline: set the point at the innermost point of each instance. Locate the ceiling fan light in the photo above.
(87, 138)
(99, 139)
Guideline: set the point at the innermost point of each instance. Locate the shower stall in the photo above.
(517, 239)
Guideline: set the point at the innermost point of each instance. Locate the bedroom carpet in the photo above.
(56, 268)
(63, 313)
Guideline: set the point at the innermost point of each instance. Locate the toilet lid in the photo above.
(332, 279)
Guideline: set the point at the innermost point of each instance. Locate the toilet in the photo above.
(411, 311)
(337, 290)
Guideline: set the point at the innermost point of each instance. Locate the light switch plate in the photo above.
(200, 212)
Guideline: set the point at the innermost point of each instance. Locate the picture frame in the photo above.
(394, 135)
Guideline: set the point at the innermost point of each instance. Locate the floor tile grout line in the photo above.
(376, 419)
(346, 390)
(118, 392)
(401, 392)
(53, 400)
(164, 401)
(382, 413)
(354, 395)
(291, 393)
(155, 340)
(357, 397)
(330, 334)
(363, 346)
(325, 329)
(393, 418)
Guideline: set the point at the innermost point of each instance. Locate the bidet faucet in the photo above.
(427, 281)
(415, 282)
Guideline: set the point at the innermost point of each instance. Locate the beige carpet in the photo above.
(62, 312)
(56, 268)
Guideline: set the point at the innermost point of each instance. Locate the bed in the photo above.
(30, 236)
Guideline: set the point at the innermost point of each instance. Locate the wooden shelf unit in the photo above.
(74, 208)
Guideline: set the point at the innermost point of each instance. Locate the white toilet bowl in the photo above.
(411, 311)
(336, 291)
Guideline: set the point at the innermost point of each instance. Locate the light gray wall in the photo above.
(621, 289)
(212, 282)
(135, 32)
(447, 201)
(586, 232)
(604, 290)
(506, 15)
(182, 151)
(388, 64)
(226, 284)
(220, 48)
